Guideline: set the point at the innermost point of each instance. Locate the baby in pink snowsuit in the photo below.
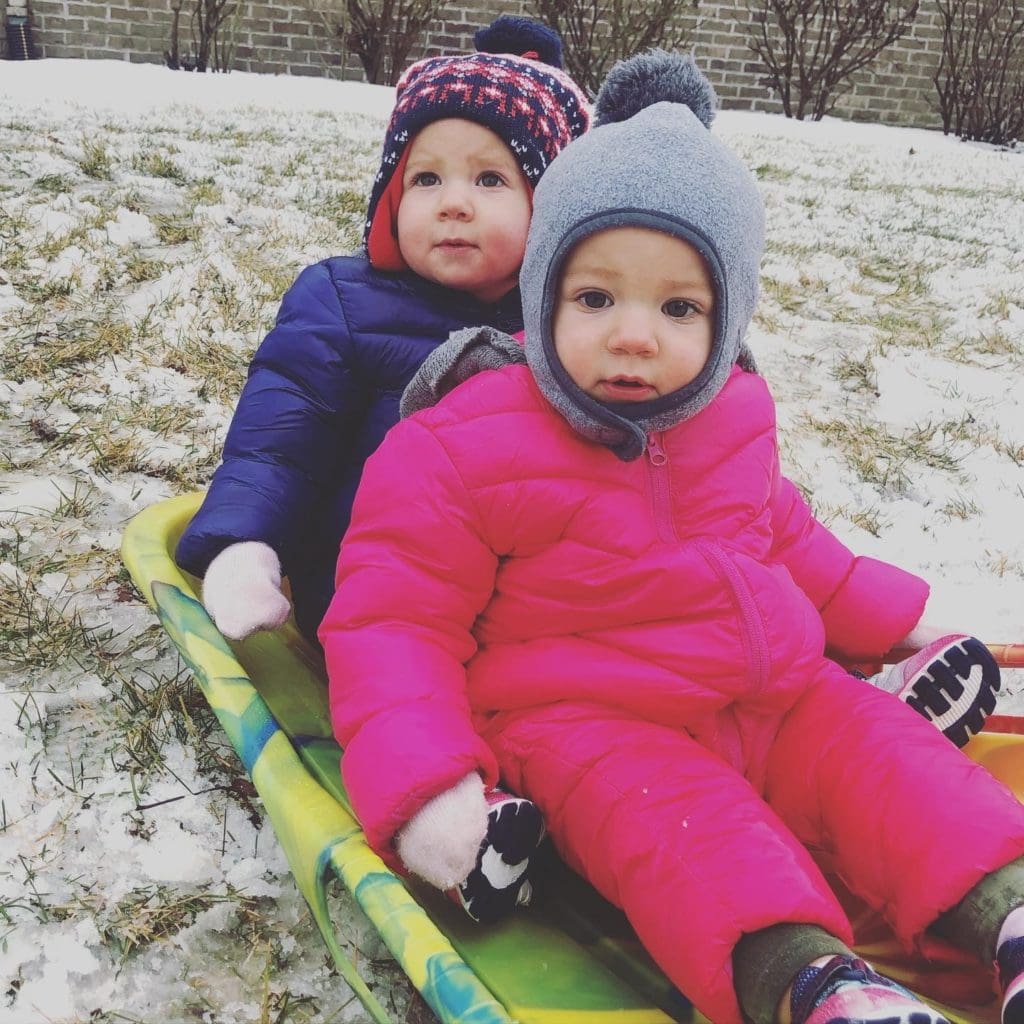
(599, 585)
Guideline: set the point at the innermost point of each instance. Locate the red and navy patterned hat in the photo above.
(525, 99)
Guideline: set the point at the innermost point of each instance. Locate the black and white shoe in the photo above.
(952, 682)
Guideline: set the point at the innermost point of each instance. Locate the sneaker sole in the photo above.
(964, 671)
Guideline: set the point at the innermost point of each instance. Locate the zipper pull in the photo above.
(655, 452)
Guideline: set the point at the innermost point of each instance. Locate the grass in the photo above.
(147, 915)
(857, 374)
(884, 457)
(159, 165)
(97, 161)
(173, 230)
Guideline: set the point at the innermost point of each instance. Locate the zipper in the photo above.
(657, 472)
(751, 626)
(755, 642)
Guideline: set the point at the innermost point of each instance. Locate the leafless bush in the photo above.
(980, 78)
(213, 24)
(811, 47)
(381, 33)
(596, 33)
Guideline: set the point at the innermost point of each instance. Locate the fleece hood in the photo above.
(649, 162)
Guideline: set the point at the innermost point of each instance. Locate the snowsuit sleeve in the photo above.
(295, 413)
(867, 605)
(414, 574)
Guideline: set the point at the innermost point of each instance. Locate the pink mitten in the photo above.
(242, 590)
(440, 842)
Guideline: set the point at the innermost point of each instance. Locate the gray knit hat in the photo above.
(650, 161)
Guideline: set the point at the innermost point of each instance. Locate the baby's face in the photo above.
(633, 316)
(465, 209)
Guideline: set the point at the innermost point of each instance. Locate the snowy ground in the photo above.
(149, 223)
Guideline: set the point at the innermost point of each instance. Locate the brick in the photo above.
(288, 35)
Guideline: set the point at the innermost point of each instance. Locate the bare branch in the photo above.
(381, 33)
(810, 48)
(596, 33)
(980, 78)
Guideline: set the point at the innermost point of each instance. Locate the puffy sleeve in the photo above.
(867, 605)
(414, 573)
(297, 408)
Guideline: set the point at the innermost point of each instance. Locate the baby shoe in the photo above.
(1010, 966)
(952, 682)
(845, 990)
(500, 880)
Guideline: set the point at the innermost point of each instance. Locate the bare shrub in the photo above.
(980, 78)
(811, 47)
(381, 33)
(596, 33)
(213, 24)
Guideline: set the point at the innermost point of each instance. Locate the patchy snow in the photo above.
(149, 222)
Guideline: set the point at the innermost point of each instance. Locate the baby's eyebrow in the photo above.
(597, 270)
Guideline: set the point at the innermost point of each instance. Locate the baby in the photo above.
(599, 584)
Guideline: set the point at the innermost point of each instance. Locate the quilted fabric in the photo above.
(638, 647)
(535, 566)
(323, 390)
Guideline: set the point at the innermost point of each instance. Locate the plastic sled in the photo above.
(570, 958)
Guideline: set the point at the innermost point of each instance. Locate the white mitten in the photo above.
(242, 590)
(440, 842)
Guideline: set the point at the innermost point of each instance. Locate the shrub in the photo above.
(980, 78)
(811, 47)
(596, 33)
(381, 33)
(213, 24)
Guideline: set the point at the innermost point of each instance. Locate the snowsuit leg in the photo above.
(669, 832)
(912, 822)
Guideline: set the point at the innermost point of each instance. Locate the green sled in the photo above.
(570, 958)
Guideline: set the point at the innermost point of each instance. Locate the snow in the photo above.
(893, 308)
(104, 85)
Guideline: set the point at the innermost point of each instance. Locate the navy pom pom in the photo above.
(509, 34)
(654, 77)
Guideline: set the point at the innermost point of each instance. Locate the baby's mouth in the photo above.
(627, 389)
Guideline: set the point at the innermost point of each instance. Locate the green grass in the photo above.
(883, 457)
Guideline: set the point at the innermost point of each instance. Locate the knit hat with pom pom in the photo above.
(513, 85)
(650, 161)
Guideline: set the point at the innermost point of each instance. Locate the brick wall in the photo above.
(289, 36)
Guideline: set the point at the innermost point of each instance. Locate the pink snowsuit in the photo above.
(638, 647)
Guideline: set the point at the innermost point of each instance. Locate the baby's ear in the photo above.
(465, 354)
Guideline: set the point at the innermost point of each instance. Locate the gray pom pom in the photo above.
(654, 77)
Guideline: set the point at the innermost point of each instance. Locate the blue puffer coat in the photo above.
(323, 390)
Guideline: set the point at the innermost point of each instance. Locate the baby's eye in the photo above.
(490, 179)
(678, 309)
(594, 300)
(425, 178)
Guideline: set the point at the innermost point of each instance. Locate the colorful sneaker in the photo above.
(846, 991)
(952, 682)
(500, 881)
(1010, 965)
